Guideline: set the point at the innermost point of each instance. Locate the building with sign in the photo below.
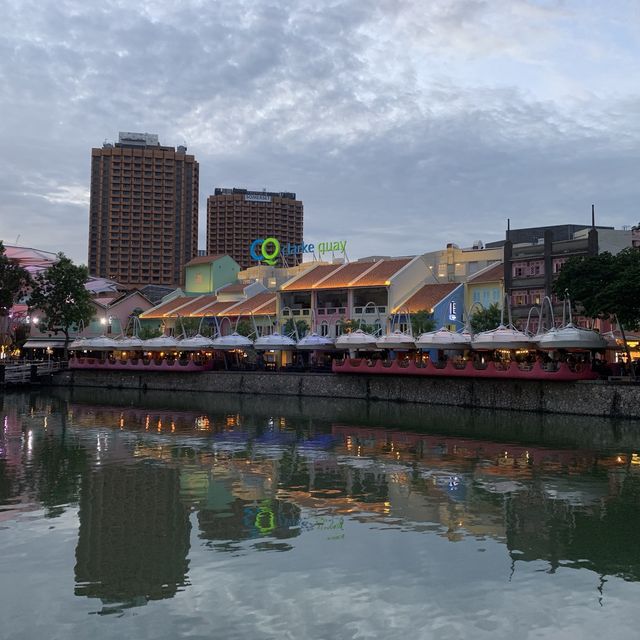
(237, 218)
(143, 214)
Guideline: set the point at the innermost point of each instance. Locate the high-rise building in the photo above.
(143, 219)
(237, 217)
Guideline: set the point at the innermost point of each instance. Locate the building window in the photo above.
(324, 328)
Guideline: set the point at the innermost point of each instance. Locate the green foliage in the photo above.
(348, 326)
(422, 321)
(59, 293)
(146, 332)
(604, 286)
(14, 281)
(188, 325)
(486, 319)
(244, 328)
(290, 325)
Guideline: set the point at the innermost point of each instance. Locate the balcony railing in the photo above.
(287, 313)
(331, 311)
(358, 311)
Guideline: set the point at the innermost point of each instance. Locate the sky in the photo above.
(403, 125)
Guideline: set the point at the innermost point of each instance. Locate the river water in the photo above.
(147, 515)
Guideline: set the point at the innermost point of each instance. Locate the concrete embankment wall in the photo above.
(582, 398)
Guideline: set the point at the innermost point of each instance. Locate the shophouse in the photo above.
(371, 291)
(530, 268)
(485, 288)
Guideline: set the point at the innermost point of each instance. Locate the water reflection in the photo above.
(254, 476)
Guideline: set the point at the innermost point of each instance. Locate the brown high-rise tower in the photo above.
(143, 220)
(237, 217)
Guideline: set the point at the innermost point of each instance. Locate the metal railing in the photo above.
(22, 373)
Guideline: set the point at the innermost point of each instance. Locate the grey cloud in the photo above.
(351, 105)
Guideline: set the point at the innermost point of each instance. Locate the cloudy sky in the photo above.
(401, 124)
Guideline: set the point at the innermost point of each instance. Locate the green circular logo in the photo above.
(270, 257)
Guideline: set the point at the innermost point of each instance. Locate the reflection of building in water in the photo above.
(134, 534)
(236, 500)
(600, 535)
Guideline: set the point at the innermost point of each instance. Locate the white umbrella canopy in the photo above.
(78, 343)
(396, 340)
(132, 342)
(444, 339)
(356, 340)
(161, 343)
(275, 341)
(572, 337)
(232, 341)
(313, 342)
(195, 343)
(102, 343)
(501, 338)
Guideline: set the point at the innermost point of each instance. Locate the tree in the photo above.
(422, 321)
(244, 328)
(146, 332)
(59, 293)
(290, 327)
(14, 282)
(604, 286)
(348, 326)
(486, 319)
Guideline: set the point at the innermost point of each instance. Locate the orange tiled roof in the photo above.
(496, 272)
(198, 303)
(258, 304)
(205, 259)
(310, 277)
(381, 273)
(213, 309)
(355, 274)
(344, 274)
(168, 308)
(428, 297)
(234, 287)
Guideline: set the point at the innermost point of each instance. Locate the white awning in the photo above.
(48, 343)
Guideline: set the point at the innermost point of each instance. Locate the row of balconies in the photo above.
(330, 311)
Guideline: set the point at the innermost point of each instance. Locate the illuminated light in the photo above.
(122, 421)
(635, 458)
(619, 459)
(173, 427)
(103, 321)
(159, 424)
(146, 423)
(45, 425)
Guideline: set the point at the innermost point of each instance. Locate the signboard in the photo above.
(268, 249)
(257, 197)
(453, 310)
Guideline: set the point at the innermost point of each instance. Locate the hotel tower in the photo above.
(143, 218)
(237, 217)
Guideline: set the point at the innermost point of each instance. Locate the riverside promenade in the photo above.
(616, 400)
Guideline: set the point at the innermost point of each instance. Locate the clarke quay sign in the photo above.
(269, 249)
